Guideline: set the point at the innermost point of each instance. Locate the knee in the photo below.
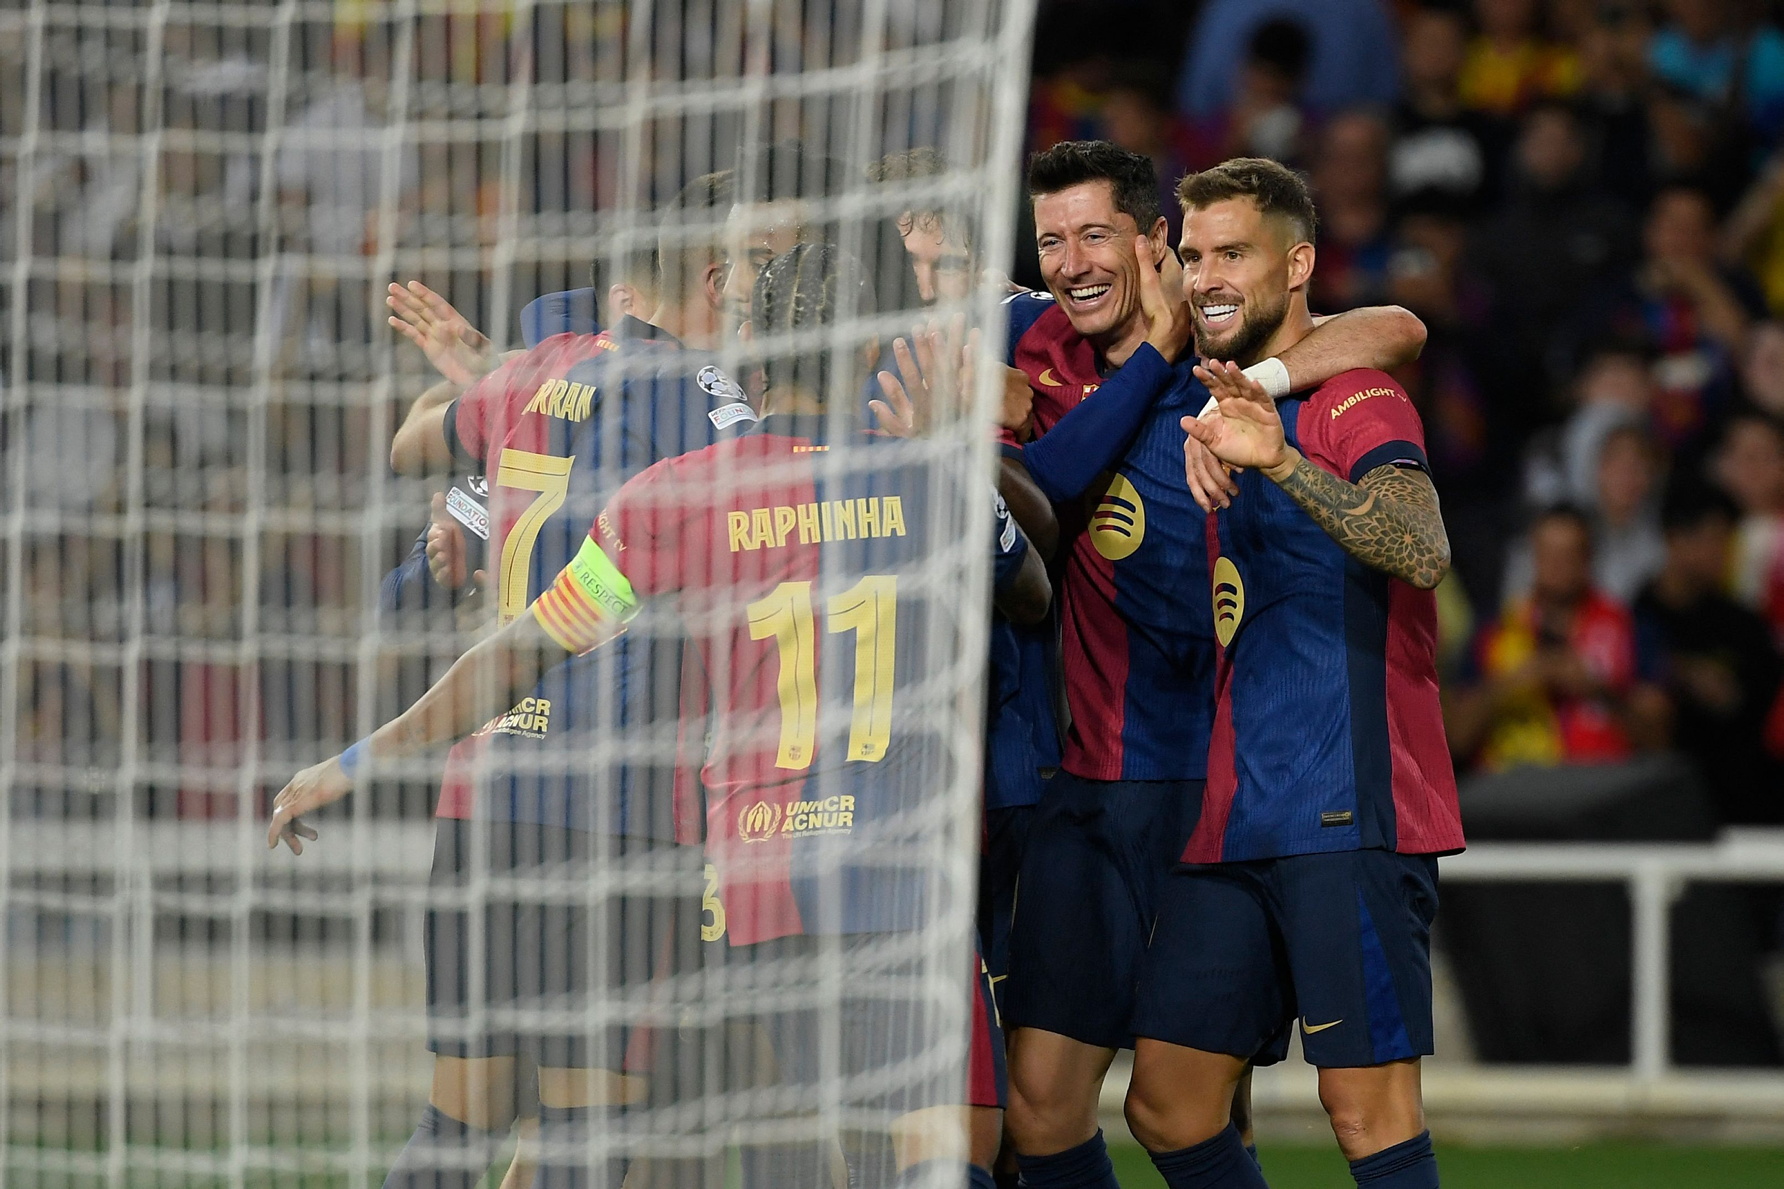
(1166, 1119)
(1046, 1117)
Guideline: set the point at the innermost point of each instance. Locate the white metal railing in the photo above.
(1655, 874)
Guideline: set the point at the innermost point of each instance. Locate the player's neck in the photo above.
(1118, 346)
(1297, 324)
(685, 323)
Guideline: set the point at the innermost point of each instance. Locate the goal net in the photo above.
(696, 907)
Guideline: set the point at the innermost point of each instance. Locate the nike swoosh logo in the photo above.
(1049, 379)
(1309, 1029)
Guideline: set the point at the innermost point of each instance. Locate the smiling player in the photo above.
(1309, 884)
(1104, 353)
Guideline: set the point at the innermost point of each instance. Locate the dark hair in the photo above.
(1692, 502)
(1281, 45)
(804, 288)
(692, 230)
(1131, 176)
(1564, 511)
(1278, 191)
(916, 164)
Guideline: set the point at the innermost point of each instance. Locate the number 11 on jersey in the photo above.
(870, 610)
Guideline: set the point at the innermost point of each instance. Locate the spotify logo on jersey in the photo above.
(1119, 524)
(1229, 601)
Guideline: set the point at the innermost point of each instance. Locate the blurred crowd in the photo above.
(1584, 200)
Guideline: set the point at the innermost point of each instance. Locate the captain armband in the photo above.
(589, 603)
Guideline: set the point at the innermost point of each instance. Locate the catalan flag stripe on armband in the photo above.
(590, 597)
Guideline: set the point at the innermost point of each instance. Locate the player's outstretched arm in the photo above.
(481, 684)
(1380, 337)
(1388, 520)
(459, 351)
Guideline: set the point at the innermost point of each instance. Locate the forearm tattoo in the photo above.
(1390, 520)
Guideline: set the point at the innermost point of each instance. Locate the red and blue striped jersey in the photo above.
(594, 744)
(1327, 735)
(1136, 646)
(799, 572)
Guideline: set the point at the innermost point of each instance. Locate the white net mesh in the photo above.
(202, 552)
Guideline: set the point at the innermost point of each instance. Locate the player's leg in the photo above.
(1212, 994)
(1095, 853)
(767, 1055)
(1358, 930)
(1006, 836)
(473, 1099)
(583, 1082)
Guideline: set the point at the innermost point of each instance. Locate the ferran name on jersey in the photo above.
(764, 820)
(563, 399)
(827, 520)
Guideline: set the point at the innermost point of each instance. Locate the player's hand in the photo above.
(1017, 411)
(458, 350)
(314, 787)
(1211, 482)
(1245, 430)
(1170, 324)
(446, 559)
(935, 375)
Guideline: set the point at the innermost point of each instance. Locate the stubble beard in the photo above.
(1246, 342)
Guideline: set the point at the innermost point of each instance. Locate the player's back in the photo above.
(593, 744)
(798, 571)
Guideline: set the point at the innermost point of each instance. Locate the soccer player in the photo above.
(557, 428)
(816, 761)
(1110, 381)
(1309, 884)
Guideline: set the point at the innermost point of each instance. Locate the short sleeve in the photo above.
(641, 529)
(470, 421)
(1009, 548)
(1360, 421)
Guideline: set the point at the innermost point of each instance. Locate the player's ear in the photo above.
(746, 332)
(1160, 235)
(712, 282)
(1300, 264)
(622, 299)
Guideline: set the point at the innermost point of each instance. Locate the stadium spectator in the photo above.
(1355, 240)
(1722, 670)
(1557, 236)
(1612, 389)
(1613, 74)
(1353, 56)
(1263, 117)
(1750, 465)
(1560, 675)
(1509, 64)
(1762, 371)
(1624, 512)
(1704, 53)
(1440, 147)
(1696, 311)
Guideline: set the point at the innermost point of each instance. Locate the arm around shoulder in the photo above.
(1378, 337)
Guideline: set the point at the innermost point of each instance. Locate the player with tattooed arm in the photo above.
(1309, 884)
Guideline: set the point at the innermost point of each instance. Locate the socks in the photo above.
(1218, 1163)
(444, 1153)
(564, 1156)
(784, 1166)
(1083, 1167)
(980, 1178)
(1409, 1165)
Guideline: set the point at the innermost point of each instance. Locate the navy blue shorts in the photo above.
(1096, 855)
(539, 967)
(1000, 862)
(1342, 940)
